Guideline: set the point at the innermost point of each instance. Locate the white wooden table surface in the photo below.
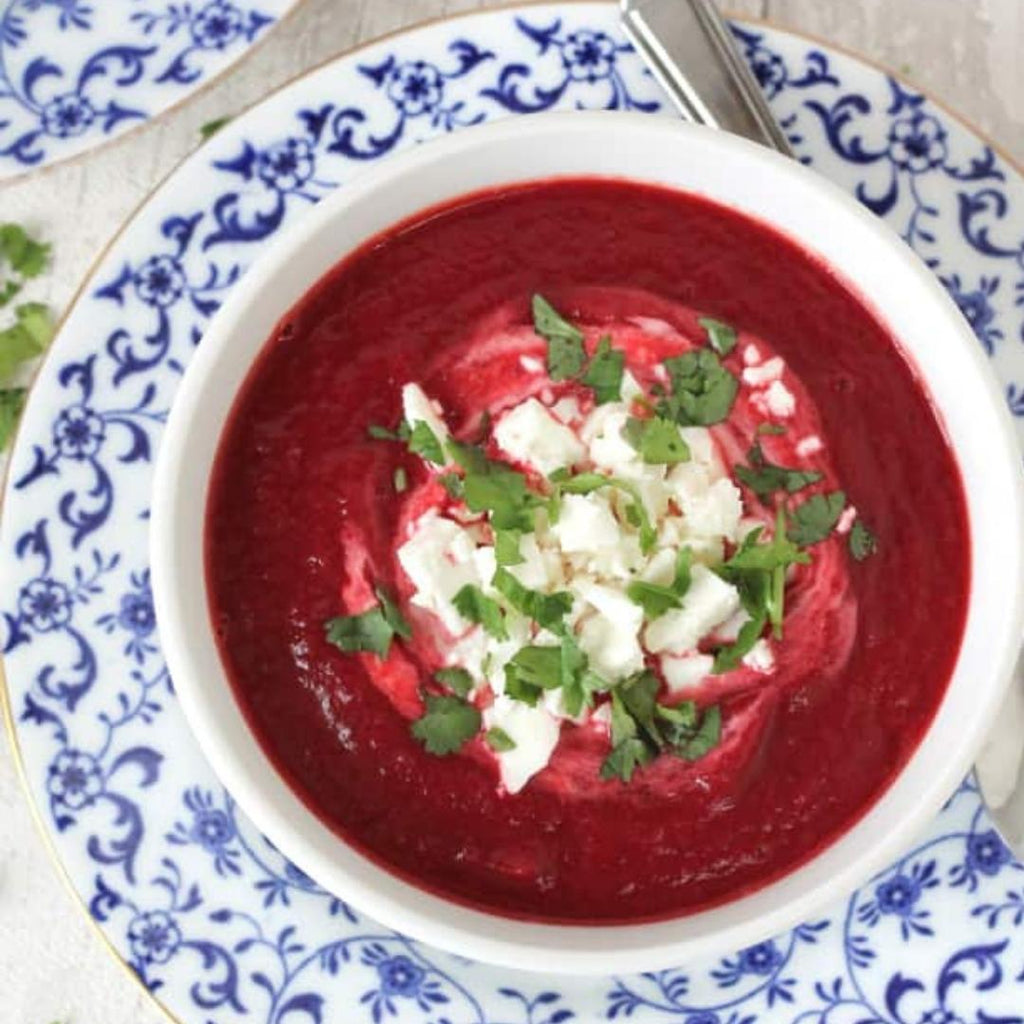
(968, 53)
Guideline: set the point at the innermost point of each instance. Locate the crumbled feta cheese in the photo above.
(533, 731)
(531, 364)
(710, 509)
(760, 657)
(685, 672)
(610, 638)
(751, 355)
(609, 450)
(554, 703)
(586, 524)
(661, 568)
(809, 445)
(730, 629)
(708, 602)
(630, 389)
(765, 373)
(538, 568)
(567, 409)
(530, 434)
(418, 408)
(655, 326)
(440, 559)
(775, 400)
(702, 448)
(846, 520)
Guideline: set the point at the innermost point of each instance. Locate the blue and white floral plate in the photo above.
(208, 914)
(74, 73)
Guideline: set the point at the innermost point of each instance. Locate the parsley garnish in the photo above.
(495, 488)
(566, 355)
(532, 669)
(764, 478)
(475, 606)
(862, 542)
(604, 372)
(629, 751)
(452, 483)
(498, 740)
(458, 680)
(447, 725)
(424, 443)
(547, 610)
(702, 389)
(728, 657)
(11, 402)
(506, 547)
(25, 338)
(372, 630)
(721, 337)
(813, 520)
(212, 127)
(379, 433)
(656, 599)
(24, 256)
(691, 744)
(658, 440)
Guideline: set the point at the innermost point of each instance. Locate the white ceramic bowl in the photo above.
(750, 179)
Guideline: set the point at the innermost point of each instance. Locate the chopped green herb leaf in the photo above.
(506, 547)
(448, 724)
(25, 338)
(702, 389)
(813, 520)
(212, 127)
(25, 255)
(653, 598)
(566, 355)
(639, 697)
(400, 479)
(369, 631)
(684, 559)
(776, 429)
(453, 484)
(629, 751)
(458, 680)
(721, 336)
(379, 433)
(704, 739)
(604, 372)
(498, 740)
(475, 606)
(658, 441)
(423, 442)
(547, 610)
(764, 478)
(728, 657)
(8, 290)
(493, 487)
(11, 403)
(579, 684)
(862, 542)
(393, 615)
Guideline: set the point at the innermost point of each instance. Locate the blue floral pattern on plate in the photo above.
(212, 918)
(74, 73)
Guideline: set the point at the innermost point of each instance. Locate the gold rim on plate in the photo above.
(6, 708)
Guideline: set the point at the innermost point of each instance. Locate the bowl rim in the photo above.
(219, 723)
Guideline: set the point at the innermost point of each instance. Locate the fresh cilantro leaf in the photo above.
(539, 664)
(705, 739)
(547, 610)
(506, 547)
(424, 443)
(764, 478)
(26, 256)
(604, 372)
(447, 725)
(212, 127)
(778, 552)
(578, 684)
(400, 479)
(702, 389)
(8, 290)
(453, 484)
(684, 559)
(862, 542)
(813, 520)
(458, 680)
(25, 338)
(657, 440)
(493, 487)
(629, 751)
(393, 615)
(475, 606)
(653, 598)
(639, 697)
(11, 403)
(728, 657)
(379, 433)
(566, 355)
(721, 337)
(369, 631)
(498, 740)
(678, 721)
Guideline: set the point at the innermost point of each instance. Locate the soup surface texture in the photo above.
(663, 680)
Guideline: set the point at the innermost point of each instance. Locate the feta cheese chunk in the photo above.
(534, 732)
(586, 524)
(710, 509)
(760, 657)
(418, 408)
(708, 602)
(775, 400)
(765, 373)
(685, 672)
(609, 450)
(610, 636)
(440, 559)
(809, 445)
(529, 433)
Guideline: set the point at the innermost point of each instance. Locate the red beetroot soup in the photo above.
(697, 760)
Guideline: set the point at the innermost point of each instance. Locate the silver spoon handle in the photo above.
(690, 50)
